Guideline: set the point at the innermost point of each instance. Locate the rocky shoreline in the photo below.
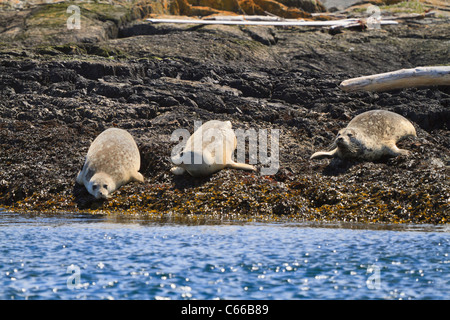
(153, 79)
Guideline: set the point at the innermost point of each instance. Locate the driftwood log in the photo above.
(266, 21)
(404, 78)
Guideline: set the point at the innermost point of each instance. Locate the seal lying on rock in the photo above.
(112, 160)
(370, 136)
(208, 150)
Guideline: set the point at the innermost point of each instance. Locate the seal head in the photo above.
(101, 186)
(349, 143)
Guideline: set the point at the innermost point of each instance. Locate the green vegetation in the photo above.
(47, 23)
(52, 15)
(49, 16)
(401, 7)
(406, 7)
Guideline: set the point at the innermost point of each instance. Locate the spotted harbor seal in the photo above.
(370, 136)
(208, 150)
(112, 160)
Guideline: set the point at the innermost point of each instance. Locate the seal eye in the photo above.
(94, 187)
(105, 186)
(181, 154)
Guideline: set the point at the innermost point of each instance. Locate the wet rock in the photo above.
(266, 36)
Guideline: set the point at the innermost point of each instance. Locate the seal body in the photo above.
(112, 160)
(209, 149)
(370, 136)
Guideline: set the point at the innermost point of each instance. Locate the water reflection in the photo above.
(6, 218)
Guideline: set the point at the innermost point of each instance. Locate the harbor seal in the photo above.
(370, 136)
(208, 150)
(112, 160)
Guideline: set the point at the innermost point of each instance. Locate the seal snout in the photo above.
(102, 195)
(100, 186)
(341, 141)
(100, 192)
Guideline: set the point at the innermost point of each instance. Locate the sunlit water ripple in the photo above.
(57, 257)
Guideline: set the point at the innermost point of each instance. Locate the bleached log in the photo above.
(290, 22)
(404, 78)
(246, 18)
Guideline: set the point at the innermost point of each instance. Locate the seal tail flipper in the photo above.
(324, 154)
(241, 166)
(178, 171)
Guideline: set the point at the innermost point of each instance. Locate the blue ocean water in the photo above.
(98, 257)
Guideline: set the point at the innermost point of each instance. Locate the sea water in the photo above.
(97, 257)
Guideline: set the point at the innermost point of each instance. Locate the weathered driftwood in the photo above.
(404, 78)
(269, 17)
(271, 22)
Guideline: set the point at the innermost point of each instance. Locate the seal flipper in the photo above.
(395, 151)
(242, 166)
(138, 177)
(324, 154)
(80, 177)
